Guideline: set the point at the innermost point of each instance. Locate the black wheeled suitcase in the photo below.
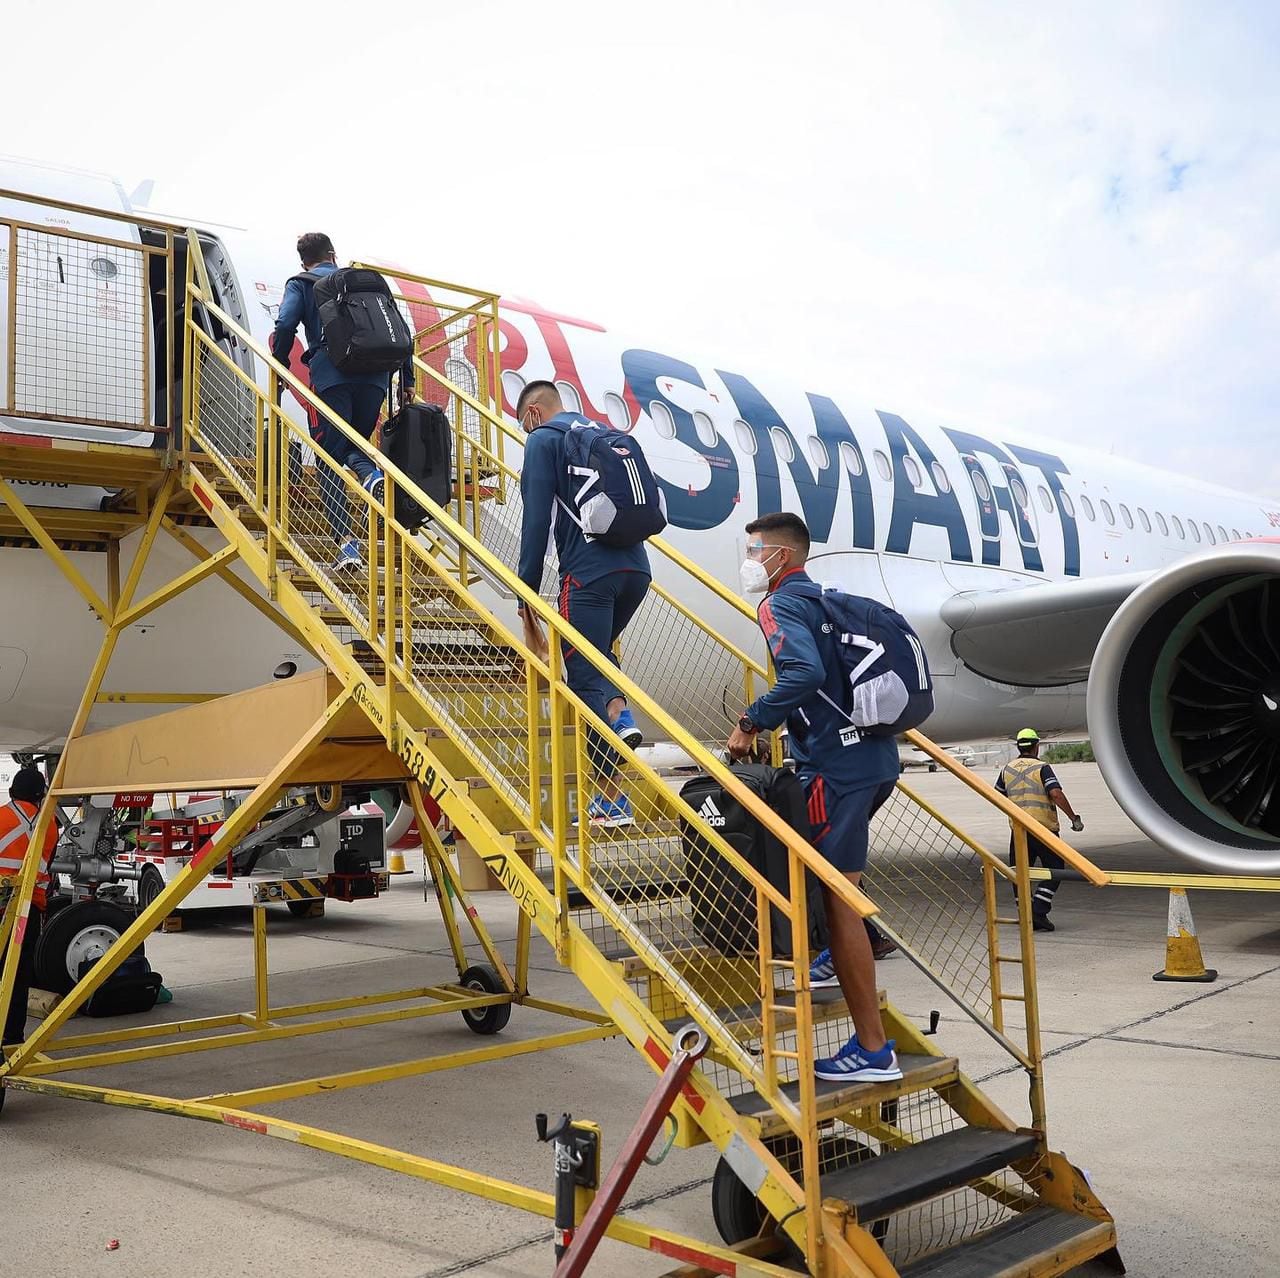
(722, 900)
(419, 440)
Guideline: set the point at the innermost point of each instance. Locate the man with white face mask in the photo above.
(847, 776)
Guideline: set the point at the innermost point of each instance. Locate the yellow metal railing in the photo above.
(407, 606)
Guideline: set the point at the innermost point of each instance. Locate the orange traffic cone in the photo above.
(1182, 958)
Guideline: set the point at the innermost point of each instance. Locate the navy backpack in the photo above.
(616, 500)
(890, 688)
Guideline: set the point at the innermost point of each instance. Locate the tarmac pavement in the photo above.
(1168, 1094)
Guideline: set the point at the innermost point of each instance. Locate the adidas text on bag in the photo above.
(364, 331)
(889, 686)
(616, 500)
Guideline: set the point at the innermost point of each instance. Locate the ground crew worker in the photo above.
(1035, 788)
(847, 777)
(17, 823)
(355, 397)
(601, 587)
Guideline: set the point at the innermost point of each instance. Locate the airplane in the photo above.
(1051, 585)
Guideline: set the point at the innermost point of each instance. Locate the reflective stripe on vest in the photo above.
(1022, 786)
(13, 845)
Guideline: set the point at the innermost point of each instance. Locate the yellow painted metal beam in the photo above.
(192, 577)
(156, 698)
(32, 524)
(1175, 879)
(499, 1051)
(539, 1202)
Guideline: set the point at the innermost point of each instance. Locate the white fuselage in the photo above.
(907, 511)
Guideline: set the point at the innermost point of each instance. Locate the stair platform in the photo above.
(899, 1178)
(1038, 1243)
(834, 1099)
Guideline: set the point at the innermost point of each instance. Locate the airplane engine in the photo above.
(1184, 707)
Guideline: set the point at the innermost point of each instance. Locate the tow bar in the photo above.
(575, 1153)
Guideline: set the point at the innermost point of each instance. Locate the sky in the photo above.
(1060, 220)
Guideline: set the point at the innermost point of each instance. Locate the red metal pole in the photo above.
(690, 1045)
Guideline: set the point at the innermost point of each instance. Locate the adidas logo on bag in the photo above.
(710, 813)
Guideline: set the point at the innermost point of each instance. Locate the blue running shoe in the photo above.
(375, 485)
(625, 727)
(605, 815)
(348, 558)
(822, 972)
(854, 1064)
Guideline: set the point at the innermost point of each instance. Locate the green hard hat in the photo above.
(1028, 734)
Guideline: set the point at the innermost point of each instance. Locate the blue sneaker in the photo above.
(605, 815)
(822, 972)
(625, 727)
(348, 557)
(854, 1064)
(375, 485)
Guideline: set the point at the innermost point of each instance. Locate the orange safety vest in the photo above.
(17, 824)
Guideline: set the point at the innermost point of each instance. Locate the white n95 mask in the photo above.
(754, 577)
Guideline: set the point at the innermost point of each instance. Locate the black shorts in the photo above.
(841, 821)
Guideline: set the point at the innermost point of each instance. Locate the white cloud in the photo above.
(956, 211)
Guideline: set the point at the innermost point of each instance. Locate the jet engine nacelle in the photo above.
(1184, 707)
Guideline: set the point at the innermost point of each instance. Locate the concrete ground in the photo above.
(1168, 1094)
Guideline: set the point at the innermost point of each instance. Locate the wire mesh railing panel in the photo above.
(928, 884)
(226, 415)
(81, 340)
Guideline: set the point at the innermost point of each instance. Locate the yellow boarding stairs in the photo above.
(425, 683)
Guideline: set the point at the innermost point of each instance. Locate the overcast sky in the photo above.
(980, 214)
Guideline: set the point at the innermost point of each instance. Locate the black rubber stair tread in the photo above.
(880, 1186)
(918, 1072)
(1040, 1242)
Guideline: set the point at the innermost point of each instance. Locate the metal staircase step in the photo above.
(900, 1177)
(1038, 1243)
(828, 1005)
(833, 1099)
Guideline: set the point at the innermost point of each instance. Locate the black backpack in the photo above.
(723, 902)
(364, 331)
(616, 500)
(890, 688)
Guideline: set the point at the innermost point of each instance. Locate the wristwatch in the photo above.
(745, 724)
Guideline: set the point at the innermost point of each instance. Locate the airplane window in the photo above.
(1209, 537)
(1145, 518)
(940, 477)
(1126, 516)
(1068, 508)
(512, 385)
(818, 451)
(663, 422)
(882, 465)
(615, 408)
(569, 394)
(746, 437)
(782, 444)
(1045, 500)
(1107, 513)
(980, 485)
(852, 459)
(1087, 506)
(1161, 524)
(1019, 490)
(915, 476)
(1195, 531)
(1177, 527)
(706, 429)
(1222, 533)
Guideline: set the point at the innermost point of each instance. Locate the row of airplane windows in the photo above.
(665, 425)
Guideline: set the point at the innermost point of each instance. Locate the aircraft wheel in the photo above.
(85, 930)
(150, 885)
(485, 1020)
